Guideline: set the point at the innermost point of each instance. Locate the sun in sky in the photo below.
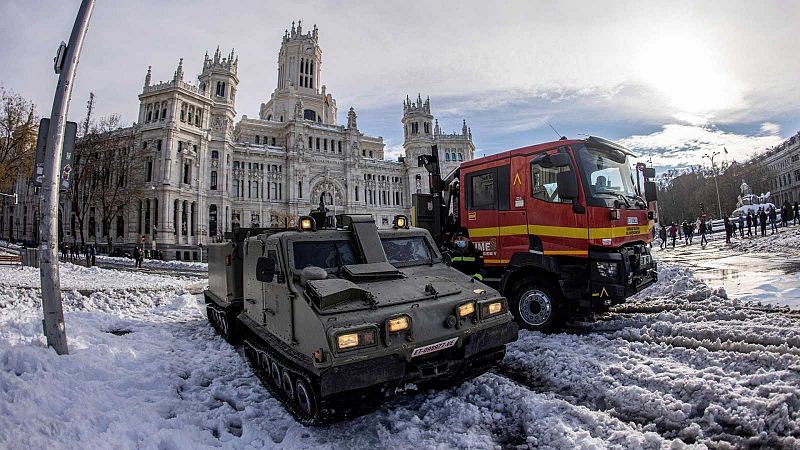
(690, 73)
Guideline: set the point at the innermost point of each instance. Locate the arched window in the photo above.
(447, 156)
(310, 114)
(213, 180)
(460, 156)
(220, 89)
(183, 112)
(214, 154)
(258, 139)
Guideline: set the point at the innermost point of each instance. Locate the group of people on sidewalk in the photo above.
(75, 252)
(758, 220)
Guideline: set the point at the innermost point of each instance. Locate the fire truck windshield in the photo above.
(607, 175)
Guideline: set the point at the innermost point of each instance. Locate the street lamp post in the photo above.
(714, 172)
(54, 328)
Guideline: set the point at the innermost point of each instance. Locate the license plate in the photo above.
(424, 350)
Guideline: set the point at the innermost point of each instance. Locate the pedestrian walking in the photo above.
(749, 223)
(673, 233)
(796, 212)
(703, 228)
(140, 259)
(762, 220)
(741, 225)
(662, 234)
(727, 230)
(785, 214)
(773, 219)
(93, 252)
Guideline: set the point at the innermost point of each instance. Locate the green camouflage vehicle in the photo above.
(333, 319)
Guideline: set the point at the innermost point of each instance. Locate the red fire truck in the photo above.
(563, 226)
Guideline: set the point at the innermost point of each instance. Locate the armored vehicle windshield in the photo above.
(403, 251)
(329, 255)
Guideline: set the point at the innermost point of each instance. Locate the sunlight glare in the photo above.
(689, 73)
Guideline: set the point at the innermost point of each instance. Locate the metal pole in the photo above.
(54, 328)
(719, 204)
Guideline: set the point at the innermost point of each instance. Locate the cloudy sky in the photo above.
(672, 80)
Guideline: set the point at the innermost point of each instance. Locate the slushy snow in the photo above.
(680, 365)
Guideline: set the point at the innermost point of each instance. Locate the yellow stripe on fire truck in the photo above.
(562, 232)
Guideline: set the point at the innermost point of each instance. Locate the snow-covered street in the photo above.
(683, 364)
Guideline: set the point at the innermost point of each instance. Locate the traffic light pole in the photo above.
(54, 328)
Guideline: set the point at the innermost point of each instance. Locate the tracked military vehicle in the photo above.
(335, 318)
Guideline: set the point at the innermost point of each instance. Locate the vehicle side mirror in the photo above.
(649, 172)
(567, 185)
(559, 160)
(265, 269)
(650, 191)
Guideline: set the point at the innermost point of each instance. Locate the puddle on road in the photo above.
(757, 277)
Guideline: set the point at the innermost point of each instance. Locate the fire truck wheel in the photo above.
(538, 306)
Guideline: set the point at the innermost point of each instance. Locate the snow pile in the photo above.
(155, 263)
(681, 360)
(754, 208)
(146, 371)
(786, 240)
(679, 366)
(94, 278)
(9, 245)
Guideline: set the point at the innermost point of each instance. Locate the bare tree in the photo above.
(118, 182)
(18, 128)
(686, 195)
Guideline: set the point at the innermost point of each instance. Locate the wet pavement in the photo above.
(751, 276)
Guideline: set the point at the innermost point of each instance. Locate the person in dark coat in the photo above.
(773, 220)
(749, 220)
(466, 257)
(703, 228)
(673, 233)
(136, 253)
(662, 234)
(796, 209)
(741, 225)
(784, 214)
(728, 228)
(93, 252)
(762, 220)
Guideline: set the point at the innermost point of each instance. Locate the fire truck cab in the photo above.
(563, 226)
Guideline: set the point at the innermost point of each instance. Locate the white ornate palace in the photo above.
(208, 173)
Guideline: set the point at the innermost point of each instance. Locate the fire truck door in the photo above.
(513, 220)
(481, 205)
(554, 227)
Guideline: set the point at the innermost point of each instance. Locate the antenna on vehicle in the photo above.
(560, 137)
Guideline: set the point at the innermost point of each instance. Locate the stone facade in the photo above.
(783, 161)
(206, 173)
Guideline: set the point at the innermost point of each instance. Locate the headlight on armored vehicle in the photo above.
(607, 269)
(398, 324)
(361, 338)
(466, 309)
(493, 308)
